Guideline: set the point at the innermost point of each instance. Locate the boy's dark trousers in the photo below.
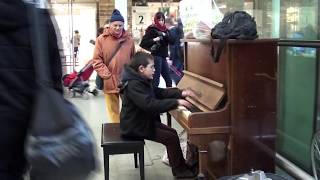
(169, 137)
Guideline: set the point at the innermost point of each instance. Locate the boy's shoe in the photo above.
(184, 174)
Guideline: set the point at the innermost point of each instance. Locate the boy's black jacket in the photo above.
(142, 104)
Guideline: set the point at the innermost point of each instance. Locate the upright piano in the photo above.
(233, 121)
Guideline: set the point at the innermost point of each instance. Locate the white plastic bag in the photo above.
(209, 17)
(199, 18)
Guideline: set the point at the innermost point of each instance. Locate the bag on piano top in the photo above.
(236, 25)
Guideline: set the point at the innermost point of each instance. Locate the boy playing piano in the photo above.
(141, 107)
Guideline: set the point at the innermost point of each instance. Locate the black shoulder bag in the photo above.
(236, 25)
(59, 144)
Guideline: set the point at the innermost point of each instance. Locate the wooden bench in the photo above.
(113, 143)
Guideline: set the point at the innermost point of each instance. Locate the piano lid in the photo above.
(209, 93)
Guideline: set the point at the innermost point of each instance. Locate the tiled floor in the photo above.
(122, 166)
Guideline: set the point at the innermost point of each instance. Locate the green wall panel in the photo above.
(297, 100)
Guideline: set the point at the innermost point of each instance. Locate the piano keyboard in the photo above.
(184, 111)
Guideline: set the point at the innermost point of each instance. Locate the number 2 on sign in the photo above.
(141, 19)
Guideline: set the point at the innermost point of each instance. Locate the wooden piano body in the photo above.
(236, 104)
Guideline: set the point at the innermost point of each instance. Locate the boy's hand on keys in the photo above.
(188, 93)
(184, 103)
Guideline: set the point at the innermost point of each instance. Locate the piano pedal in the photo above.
(201, 177)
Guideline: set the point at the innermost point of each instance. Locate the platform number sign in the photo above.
(140, 20)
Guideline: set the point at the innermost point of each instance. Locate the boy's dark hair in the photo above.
(76, 31)
(140, 58)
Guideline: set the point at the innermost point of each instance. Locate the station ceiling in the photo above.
(74, 1)
(92, 1)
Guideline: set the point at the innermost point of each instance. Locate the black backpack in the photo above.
(236, 25)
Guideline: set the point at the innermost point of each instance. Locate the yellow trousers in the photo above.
(113, 107)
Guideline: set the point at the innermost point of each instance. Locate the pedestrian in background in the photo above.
(17, 84)
(113, 49)
(175, 50)
(76, 43)
(156, 40)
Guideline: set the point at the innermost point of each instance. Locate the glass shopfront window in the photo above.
(294, 20)
(288, 19)
(298, 21)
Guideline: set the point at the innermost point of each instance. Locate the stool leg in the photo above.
(168, 119)
(141, 164)
(135, 160)
(106, 165)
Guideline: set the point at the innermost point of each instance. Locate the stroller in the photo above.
(77, 82)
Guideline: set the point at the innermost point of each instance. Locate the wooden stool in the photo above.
(113, 143)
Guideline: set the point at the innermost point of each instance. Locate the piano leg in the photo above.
(203, 156)
(201, 177)
(168, 119)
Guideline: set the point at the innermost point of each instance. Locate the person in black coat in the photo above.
(141, 107)
(175, 49)
(156, 40)
(17, 82)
